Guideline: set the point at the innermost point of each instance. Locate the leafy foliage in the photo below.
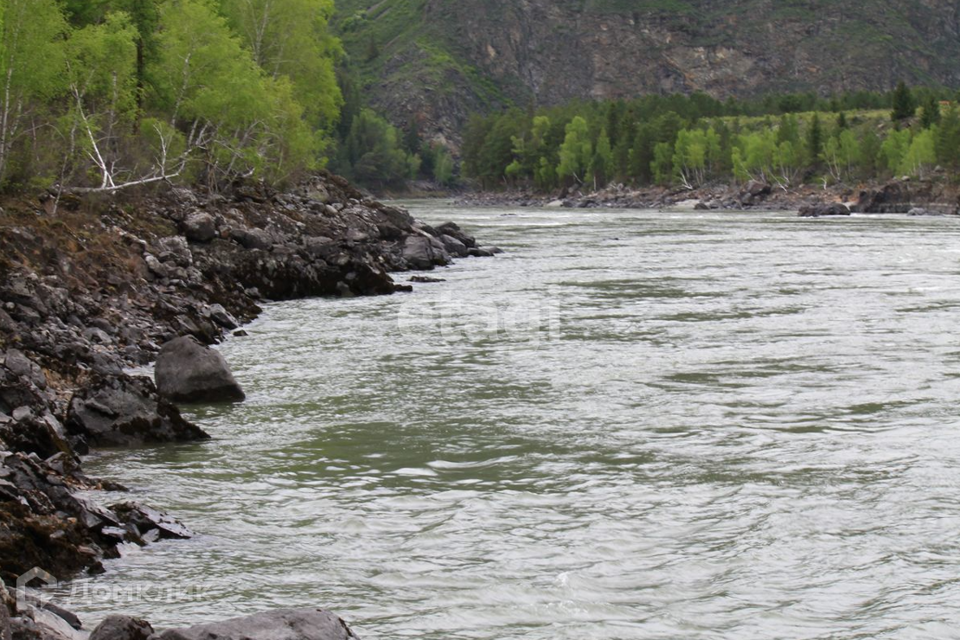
(691, 141)
(105, 94)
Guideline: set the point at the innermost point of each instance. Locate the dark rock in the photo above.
(176, 250)
(453, 230)
(126, 411)
(453, 246)
(122, 628)
(824, 209)
(426, 279)
(188, 371)
(147, 519)
(252, 238)
(480, 253)
(755, 192)
(424, 253)
(200, 227)
(219, 315)
(284, 624)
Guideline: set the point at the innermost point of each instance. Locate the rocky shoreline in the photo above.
(90, 287)
(919, 197)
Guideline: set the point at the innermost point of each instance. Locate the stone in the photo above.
(175, 249)
(453, 246)
(219, 315)
(283, 624)
(147, 519)
(824, 209)
(122, 628)
(200, 227)
(453, 230)
(187, 371)
(252, 238)
(126, 411)
(424, 253)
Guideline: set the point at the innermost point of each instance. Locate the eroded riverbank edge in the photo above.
(934, 196)
(92, 286)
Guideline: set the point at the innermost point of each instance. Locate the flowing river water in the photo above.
(631, 425)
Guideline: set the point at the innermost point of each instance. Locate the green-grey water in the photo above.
(630, 425)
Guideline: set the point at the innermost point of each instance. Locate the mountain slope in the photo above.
(439, 60)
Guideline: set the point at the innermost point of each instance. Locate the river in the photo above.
(630, 425)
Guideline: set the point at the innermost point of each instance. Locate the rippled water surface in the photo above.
(630, 425)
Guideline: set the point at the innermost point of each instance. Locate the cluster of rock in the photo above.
(43, 621)
(899, 196)
(102, 285)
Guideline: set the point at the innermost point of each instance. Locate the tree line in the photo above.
(693, 140)
(103, 94)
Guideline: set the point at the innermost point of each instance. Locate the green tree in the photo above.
(895, 147)
(690, 157)
(948, 139)
(662, 165)
(239, 120)
(921, 155)
(32, 68)
(291, 39)
(372, 153)
(601, 165)
(904, 104)
(576, 150)
(814, 140)
(930, 112)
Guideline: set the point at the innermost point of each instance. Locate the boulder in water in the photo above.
(284, 624)
(188, 371)
(122, 628)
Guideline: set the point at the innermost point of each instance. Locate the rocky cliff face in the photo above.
(554, 51)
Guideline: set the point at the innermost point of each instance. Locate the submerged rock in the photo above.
(148, 520)
(188, 371)
(284, 624)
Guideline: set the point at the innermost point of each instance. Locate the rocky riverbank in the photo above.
(931, 197)
(92, 286)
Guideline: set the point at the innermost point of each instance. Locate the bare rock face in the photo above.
(188, 371)
(284, 624)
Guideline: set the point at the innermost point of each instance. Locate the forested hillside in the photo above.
(103, 94)
(437, 61)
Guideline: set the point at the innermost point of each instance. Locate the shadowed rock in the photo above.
(126, 411)
(284, 624)
(122, 628)
(187, 371)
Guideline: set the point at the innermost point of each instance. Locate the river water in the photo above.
(630, 425)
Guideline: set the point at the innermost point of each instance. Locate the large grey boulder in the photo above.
(188, 371)
(424, 252)
(126, 411)
(284, 624)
